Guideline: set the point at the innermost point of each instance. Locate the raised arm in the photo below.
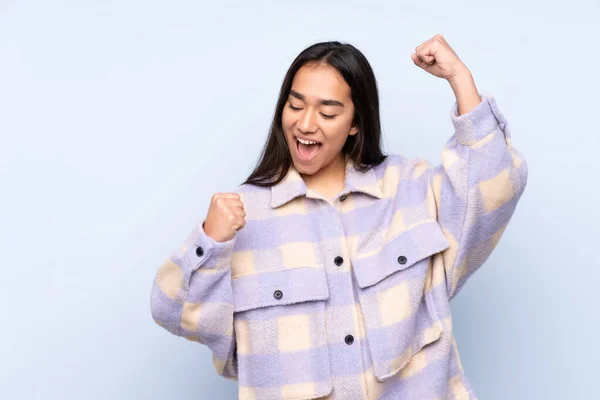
(482, 176)
(192, 293)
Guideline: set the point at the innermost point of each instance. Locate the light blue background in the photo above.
(119, 119)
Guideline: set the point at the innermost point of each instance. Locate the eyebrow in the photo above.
(322, 102)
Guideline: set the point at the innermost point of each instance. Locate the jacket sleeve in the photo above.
(476, 188)
(192, 297)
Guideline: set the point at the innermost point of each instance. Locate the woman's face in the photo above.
(319, 110)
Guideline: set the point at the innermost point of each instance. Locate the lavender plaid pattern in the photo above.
(380, 262)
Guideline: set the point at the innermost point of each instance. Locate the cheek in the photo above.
(339, 130)
(287, 120)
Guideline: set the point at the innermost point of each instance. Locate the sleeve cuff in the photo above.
(473, 126)
(203, 251)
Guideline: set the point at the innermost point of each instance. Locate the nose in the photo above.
(308, 121)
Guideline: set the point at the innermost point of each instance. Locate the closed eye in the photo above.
(326, 116)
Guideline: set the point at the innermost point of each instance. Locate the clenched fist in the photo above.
(225, 217)
(438, 58)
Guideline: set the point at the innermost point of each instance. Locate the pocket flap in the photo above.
(400, 253)
(279, 288)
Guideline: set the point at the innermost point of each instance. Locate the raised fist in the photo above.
(225, 217)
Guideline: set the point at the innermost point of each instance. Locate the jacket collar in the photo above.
(293, 185)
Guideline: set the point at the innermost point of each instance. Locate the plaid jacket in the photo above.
(349, 298)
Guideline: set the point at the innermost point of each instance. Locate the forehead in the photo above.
(321, 82)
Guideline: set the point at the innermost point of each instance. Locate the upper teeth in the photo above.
(306, 141)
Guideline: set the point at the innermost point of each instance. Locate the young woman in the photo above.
(328, 273)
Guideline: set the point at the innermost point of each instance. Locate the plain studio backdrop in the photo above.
(120, 119)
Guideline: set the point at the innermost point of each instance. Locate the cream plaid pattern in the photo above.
(350, 298)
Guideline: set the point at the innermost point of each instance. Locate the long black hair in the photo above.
(364, 148)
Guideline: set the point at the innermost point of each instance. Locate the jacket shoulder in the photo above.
(397, 166)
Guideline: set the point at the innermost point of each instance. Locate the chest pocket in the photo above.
(395, 300)
(280, 330)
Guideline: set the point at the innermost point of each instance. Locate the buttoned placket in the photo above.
(337, 262)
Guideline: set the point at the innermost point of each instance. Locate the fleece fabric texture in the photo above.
(349, 298)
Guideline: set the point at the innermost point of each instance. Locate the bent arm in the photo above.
(192, 297)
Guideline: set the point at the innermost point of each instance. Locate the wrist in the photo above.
(465, 91)
(208, 232)
(462, 80)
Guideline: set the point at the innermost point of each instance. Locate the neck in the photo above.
(329, 180)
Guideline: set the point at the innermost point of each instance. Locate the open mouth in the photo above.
(306, 150)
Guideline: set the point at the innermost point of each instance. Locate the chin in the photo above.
(306, 169)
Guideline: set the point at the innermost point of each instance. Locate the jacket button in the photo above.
(199, 251)
(402, 260)
(349, 339)
(344, 197)
(338, 261)
(278, 294)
